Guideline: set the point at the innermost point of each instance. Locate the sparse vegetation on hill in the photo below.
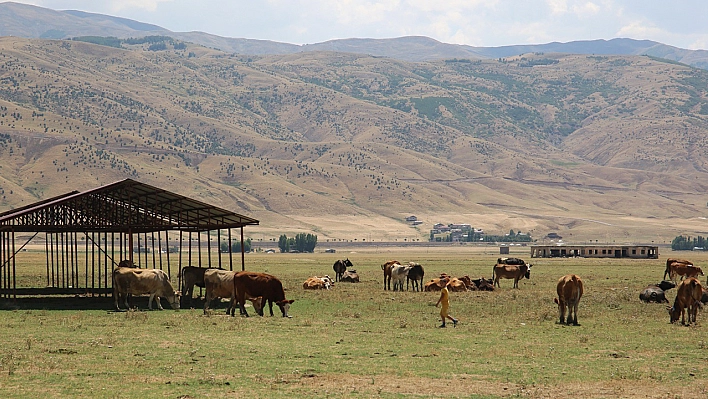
(346, 145)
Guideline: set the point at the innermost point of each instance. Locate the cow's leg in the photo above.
(561, 311)
(127, 306)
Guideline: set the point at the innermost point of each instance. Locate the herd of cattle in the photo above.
(261, 288)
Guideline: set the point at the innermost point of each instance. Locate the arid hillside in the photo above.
(607, 148)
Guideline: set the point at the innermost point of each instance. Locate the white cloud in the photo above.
(147, 5)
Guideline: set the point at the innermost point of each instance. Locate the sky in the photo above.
(488, 23)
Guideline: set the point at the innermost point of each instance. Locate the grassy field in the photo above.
(360, 341)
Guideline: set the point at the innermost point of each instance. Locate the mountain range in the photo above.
(29, 21)
(594, 147)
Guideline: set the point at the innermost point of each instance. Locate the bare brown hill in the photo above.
(606, 148)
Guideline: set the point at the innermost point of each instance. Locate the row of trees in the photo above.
(301, 243)
(236, 246)
(682, 243)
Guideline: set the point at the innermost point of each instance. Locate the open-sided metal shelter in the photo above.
(86, 235)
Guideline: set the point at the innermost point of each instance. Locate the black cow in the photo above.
(415, 274)
(655, 292)
(340, 267)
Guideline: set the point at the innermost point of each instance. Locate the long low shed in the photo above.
(595, 251)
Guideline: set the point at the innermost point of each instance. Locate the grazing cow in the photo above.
(318, 283)
(415, 274)
(704, 297)
(399, 273)
(688, 296)
(656, 292)
(350, 276)
(684, 270)
(256, 284)
(386, 267)
(340, 267)
(570, 289)
(516, 272)
(192, 276)
(219, 283)
(669, 261)
(143, 281)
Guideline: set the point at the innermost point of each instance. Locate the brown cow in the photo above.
(684, 270)
(436, 284)
(256, 284)
(386, 267)
(219, 283)
(143, 281)
(669, 261)
(511, 271)
(456, 285)
(688, 296)
(570, 289)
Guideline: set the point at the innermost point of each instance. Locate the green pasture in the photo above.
(360, 341)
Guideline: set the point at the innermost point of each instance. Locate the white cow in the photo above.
(143, 281)
(399, 274)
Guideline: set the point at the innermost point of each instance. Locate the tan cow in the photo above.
(688, 296)
(570, 289)
(456, 285)
(669, 261)
(684, 270)
(192, 276)
(143, 281)
(517, 272)
(318, 283)
(436, 284)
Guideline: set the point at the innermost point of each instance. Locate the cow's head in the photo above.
(174, 300)
(666, 285)
(527, 274)
(674, 313)
(257, 304)
(348, 263)
(285, 306)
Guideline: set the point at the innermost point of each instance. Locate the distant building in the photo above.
(553, 236)
(411, 218)
(595, 251)
(417, 222)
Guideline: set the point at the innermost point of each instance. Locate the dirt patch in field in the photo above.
(466, 385)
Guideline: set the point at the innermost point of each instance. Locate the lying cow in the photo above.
(350, 276)
(437, 283)
(254, 284)
(669, 261)
(143, 281)
(219, 283)
(511, 261)
(688, 296)
(656, 292)
(456, 285)
(192, 276)
(570, 290)
(515, 272)
(318, 283)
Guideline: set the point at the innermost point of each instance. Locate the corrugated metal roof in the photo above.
(127, 206)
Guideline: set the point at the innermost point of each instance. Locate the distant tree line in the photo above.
(236, 246)
(301, 243)
(682, 243)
